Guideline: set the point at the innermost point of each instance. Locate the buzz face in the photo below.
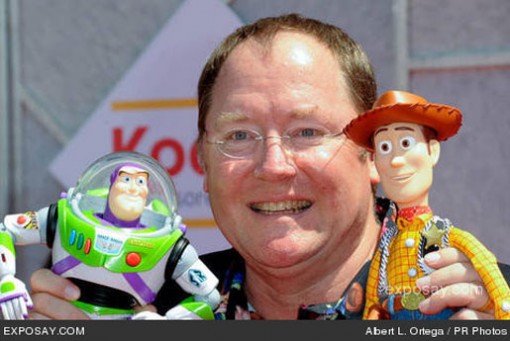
(404, 160)
(128, 193)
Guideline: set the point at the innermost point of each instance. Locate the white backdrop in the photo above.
(153, 110)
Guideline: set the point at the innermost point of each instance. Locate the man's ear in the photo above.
(204, 183)
(374, 174)
(435, 150)
(201, 163)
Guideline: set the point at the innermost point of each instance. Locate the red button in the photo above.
(87, 246)
(133, 259)
(22, 219)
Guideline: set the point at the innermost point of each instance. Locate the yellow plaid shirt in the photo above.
(403, 269)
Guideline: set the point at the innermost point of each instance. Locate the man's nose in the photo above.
(275, 162)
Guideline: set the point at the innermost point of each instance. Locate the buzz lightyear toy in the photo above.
(118, 237)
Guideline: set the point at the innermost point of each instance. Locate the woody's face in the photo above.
(404, 160)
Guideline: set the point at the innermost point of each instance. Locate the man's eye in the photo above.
(407, 142)
(307, 133)
(127, 179)
(384, 147)
(141, 181)
(238, 135)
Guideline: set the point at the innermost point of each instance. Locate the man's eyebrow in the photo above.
(304, 112)
(233, 116)
(228, 116)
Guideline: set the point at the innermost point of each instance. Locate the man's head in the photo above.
(128, 192)
(356, 69)
(403, 130)
(280, 202)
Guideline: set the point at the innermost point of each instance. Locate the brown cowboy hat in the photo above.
(401, 106)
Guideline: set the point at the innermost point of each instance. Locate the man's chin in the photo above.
(284, 257)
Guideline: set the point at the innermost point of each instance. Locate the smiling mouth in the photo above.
(281, 207)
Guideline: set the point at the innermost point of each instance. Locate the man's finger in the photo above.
(462, 295)
(148, 307)
(56, 308)
(445, 257)
(448, 275)
(37, 316)
(470, 314)
(45, 281)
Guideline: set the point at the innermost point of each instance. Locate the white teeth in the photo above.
(282, 207)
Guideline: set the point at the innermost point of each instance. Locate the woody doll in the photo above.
(403, 131)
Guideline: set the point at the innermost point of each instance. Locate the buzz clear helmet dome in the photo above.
(95, 183)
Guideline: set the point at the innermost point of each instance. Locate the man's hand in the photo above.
(455, 283)
(51, 295)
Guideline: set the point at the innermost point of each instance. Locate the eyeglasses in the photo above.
(242, 144)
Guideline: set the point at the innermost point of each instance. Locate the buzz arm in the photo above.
(26, 228)
(14, 298)
(17, 229)
(194, 277)
(191, 274)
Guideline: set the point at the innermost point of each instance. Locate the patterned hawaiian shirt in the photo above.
(235, 306)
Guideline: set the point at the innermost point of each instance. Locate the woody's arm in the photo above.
(485, 263)
(372, 298)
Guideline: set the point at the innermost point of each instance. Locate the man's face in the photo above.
(278, 207)
(128, 194)
(405, 162)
